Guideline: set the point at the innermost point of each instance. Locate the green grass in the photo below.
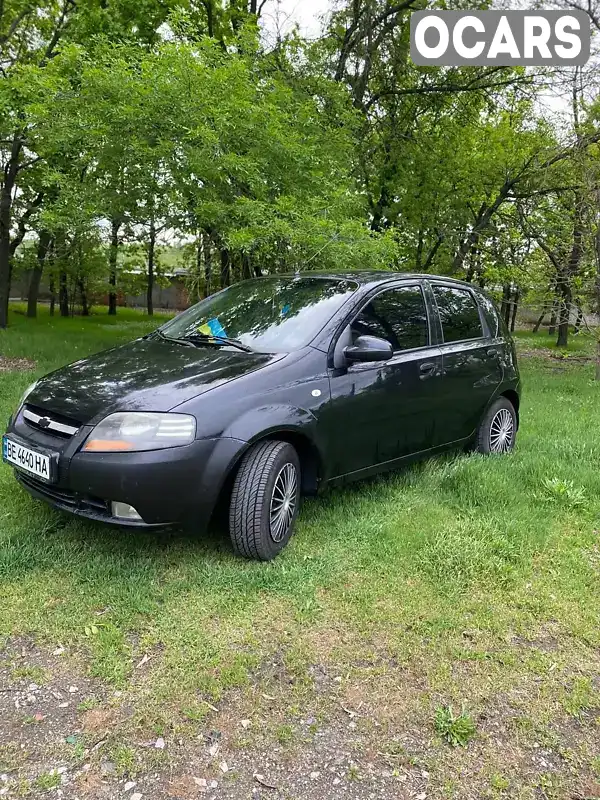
(47, 781)
(472, 579)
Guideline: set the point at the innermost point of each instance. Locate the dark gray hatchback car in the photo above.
(268, 390)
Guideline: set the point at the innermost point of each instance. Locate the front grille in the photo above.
(49, 422)
(64, 497)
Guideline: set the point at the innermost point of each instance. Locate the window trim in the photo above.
(485, 333)
(369, 299)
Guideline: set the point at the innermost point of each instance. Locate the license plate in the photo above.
(25, 459)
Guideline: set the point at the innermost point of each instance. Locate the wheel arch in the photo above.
(311, 460)
(514, 398)
(286, 423)
(311, 464)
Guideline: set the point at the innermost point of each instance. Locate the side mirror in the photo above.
(369, 348)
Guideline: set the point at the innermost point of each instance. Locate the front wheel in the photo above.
(498, 429)
(264, 500)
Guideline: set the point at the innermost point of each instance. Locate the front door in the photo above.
(471, 362)
(383, 411)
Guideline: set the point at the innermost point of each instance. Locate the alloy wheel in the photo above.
(283, 502)
(502, 431)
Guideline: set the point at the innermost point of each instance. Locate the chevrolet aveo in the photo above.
(264, 392)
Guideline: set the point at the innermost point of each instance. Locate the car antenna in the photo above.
(318, 253)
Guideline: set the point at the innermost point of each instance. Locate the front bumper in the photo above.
(87, 506)
(178, 485)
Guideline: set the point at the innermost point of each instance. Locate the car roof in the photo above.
(374, 277)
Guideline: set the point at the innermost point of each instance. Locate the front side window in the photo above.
(271, 315)
(459, 314)
(398, 315)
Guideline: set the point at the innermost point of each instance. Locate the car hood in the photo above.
(145, 375)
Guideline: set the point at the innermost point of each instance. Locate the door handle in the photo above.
(492, 352)
(427, 369)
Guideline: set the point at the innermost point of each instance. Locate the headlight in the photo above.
(137, 430)
(26, 394)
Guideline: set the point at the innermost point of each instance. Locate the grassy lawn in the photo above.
(433, 633)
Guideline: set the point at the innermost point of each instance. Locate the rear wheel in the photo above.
(264, 500)
(498, 429)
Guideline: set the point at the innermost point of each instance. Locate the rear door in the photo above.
(383, 411)
(471, 360)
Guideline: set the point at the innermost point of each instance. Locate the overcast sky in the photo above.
(284, 14)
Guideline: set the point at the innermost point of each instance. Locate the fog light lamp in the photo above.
(124, 511)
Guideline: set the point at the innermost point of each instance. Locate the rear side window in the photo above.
(459, 314)
(490, 313)
(397, 315)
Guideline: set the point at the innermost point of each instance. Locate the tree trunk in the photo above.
(553, 317)
(379, 223)
(473, 264)
(432, 253)
(195, 284)
(508, 307)
(538, 324)
(6, 197)
(151, 249)
(515, 308)
(115, 226)
(207, 256)
(44, 244)
(505, 307)
(419, 253)
(225, 268)
(246, 267)
(85, 308)
(63, 294)
(210, 25)
(579, 320)
(563, 324)
(52, 296)
(565, 281)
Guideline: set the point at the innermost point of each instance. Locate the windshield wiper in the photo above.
(164, 336)
(205, 338)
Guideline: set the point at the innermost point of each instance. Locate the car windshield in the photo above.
(270, 315)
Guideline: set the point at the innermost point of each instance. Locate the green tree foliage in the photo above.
(215, 145)
(32, 36)
(127, 124)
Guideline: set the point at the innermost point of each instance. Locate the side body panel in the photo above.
(385, 411)
(381, 412)
(472, 375)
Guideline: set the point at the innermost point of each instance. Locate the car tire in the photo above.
(498, 429)
(264, 500)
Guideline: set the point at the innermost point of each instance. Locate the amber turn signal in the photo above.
(106, 445)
